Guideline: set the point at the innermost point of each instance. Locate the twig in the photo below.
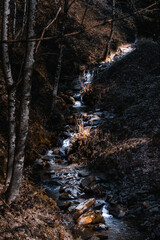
(46, 28)
(27, 40)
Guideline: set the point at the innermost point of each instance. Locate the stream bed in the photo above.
(72, 184)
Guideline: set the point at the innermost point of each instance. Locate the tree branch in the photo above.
(105, 21)
(46, 28)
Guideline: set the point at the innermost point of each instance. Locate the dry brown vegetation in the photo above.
(33, 216)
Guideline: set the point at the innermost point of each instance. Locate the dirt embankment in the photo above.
(33, 216)
(128, 146)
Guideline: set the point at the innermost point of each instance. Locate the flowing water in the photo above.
(65, 182)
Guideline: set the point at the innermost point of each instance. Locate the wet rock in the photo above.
(83, 173)
(87, 181)
(72, 208)
(66, 196)
(83, 207)
(91, 217)
(72, 191)
(102, 177)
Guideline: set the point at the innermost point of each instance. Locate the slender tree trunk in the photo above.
(59, 65)
(108, 47)
(14, 19)
(57, 77)
(12, 134)
(14, 186)
(24, 17)
(11, 92)
(84, 15)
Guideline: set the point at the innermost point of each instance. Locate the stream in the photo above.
(72, 184)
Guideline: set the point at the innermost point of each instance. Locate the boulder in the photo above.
(83, 173)
(83, 207)
(91, 217)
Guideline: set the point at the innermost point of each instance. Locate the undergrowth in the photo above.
(89, 145)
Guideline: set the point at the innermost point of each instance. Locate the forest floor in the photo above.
(33, 216)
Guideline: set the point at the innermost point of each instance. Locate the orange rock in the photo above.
(83, 207)
(91, 217)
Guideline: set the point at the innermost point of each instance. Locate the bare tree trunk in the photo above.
(24, 17)
(59, 65)
(14, 19)
(11, 92)
(14, 186)
(57, 77)
(108, 47)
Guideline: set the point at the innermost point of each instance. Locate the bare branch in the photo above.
(84, 15)
(105, 21)
(46, 28)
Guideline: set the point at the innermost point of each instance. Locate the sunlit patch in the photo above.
(121, 51)
(129, 144)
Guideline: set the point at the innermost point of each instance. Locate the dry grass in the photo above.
(33, 216)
